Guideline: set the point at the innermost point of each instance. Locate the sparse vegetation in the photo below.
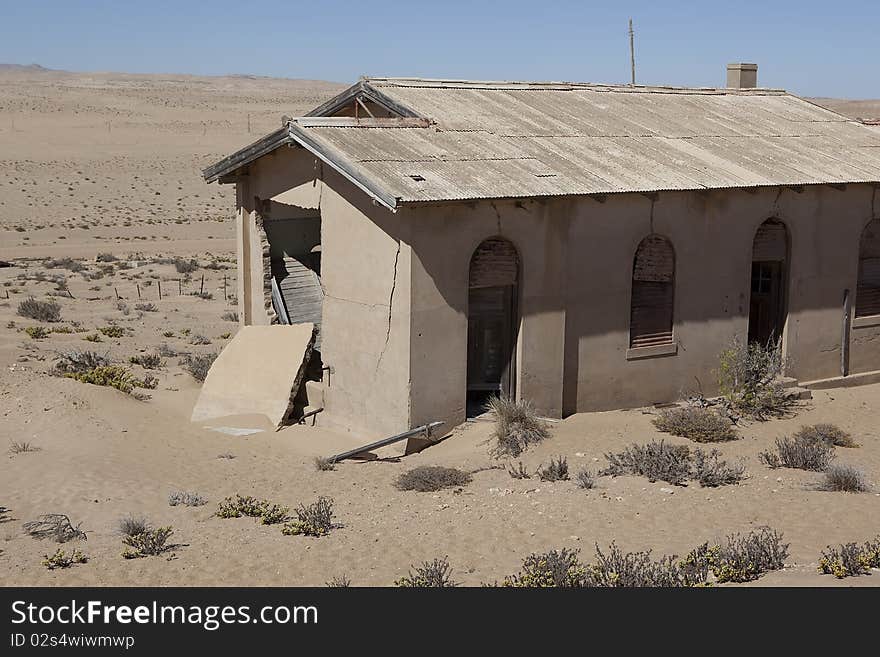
(186, 498)
(850, 559)
(56, 526)
(844, 478)
(316, 519)
(656, 460)
(749, 378)
(76, 361)
(553, 569)
(42, 311)
(93, 337)
(827, 433)
(198, 364)
(199, 339)
(147, 361)
(132, 525)
(147, 307)
(112, 331)
(151, 542)
(430, 574)
(745, 557)
(324, 464)
(185, 266)
(339, 582)
(62, 560)
(427, 478)
(113, 376)
(517, 426)
(519, 471)
(637, 569)
(802, 452)
(702, 425)
(710, 471)
(241, 505)
(585, 479)
(229, 316)
(274, 513)
(106, 257)
(22, 447)
(37, 332)
(557, 470)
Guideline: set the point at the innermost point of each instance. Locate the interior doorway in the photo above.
(493, 284)
(769, 285)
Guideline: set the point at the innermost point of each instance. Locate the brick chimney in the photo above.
(742, 76)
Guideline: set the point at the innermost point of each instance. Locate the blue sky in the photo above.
(811, 48)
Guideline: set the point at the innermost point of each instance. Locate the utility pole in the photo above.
(632, 52)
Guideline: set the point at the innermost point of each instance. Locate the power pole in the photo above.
(632, 52)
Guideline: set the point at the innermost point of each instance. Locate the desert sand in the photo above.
(109, 164)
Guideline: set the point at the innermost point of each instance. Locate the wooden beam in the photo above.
(352, 122)
(838, 186)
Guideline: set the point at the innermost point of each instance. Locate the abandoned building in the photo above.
(581, 246)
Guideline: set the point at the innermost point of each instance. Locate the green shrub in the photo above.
(517, 426)
(553, 569)
(113, 376)
(42, 311)
(427, 478)
(316, 519)
(430, 574)
(112, 331)
(37, 332)
(749, 379)
(702, 425)
(93, 337)
(850, 559)
(151, 542)
(241, 505)
(274, 514)
(62, 560)
(743, 558)
(618, 569)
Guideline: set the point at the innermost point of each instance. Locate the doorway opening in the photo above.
(493, 285)
(769, 285)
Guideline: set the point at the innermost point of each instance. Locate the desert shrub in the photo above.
(517, 426)
(149, 382)
(56, 526)
(166, 350)
(556, 471)
(147, 361)
(77, 360)
(274, 513)
(585, 479)
(339, 582)
(186, 498)
(745, 557)
(655, 460)
(147, 307)
(198, 364)
(62, 560)
(229, 316)
(324, 464)
(827, 433)
(844, 478)
(93, 337)
(22, 447)
(112, 331)
(430, 574)
(4, 513)
(113, 376)
(151, 542)
(702, 425)
(42, 311)
(711, 471)
(241, 505)
(106, 257)
(132, 525)
(226, 455)
(122, 307)
(850, 559)
(801, 452)
(749, 379)
(638, 569)
(62, 329)
(168, 334)
(426, 478)
(37, 332)
(199, 339)
(185, 266)
(316, 519)
(519, 471)
(207, 296)
(65, 263)
(553, 569)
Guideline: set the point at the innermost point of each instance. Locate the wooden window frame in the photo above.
(643, 346)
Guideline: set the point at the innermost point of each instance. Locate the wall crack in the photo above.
(390, 306)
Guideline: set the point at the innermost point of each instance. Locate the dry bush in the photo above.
(56, 526)
(850, 559)
(37, 332)
(112, 331)
(229, 316)
(710, 471)
(827, 433)
(22, 447)
(745, 557)
(147, 361)
(749, 379)
(518, 472)
(149, 382)
(427, 478)
(702, 425)
(430, 574)
(556, 471)
(199, 339)
(151, 542)
(147, 307)
(637, 569)
(185, 266)
(42, 311)
(198, 364)
(324, 464)
(339, 582)
(62, 560)
(132, 525)
(585, 479)
(186, 498)
(65, 263)
(844, 478)
(106, 257)
(655, 460)
(166, 351)
(75, 361)
(517, 426)
(316, 519)
(122, 307)
(553, 569)
(800, 452)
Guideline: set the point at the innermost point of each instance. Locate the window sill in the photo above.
(637, 353)
(865, 322)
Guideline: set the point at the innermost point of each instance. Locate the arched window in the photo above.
(653, 292)
(868, 290)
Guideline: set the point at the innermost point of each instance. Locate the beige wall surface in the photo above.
(399, 358)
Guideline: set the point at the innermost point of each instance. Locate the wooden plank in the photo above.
(495, 263)
(771, 243)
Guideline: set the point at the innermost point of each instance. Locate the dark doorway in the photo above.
(492, 322)
(767, 307)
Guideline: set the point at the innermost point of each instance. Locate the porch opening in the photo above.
(769, 284)
(493, 322)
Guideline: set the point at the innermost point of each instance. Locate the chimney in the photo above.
(742, 76)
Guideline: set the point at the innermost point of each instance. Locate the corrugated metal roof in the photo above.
(473, 140)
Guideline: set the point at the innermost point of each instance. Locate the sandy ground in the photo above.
(97, 164)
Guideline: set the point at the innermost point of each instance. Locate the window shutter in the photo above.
(495, 263)
(653, 292)
(771, 243)
(868, 290)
